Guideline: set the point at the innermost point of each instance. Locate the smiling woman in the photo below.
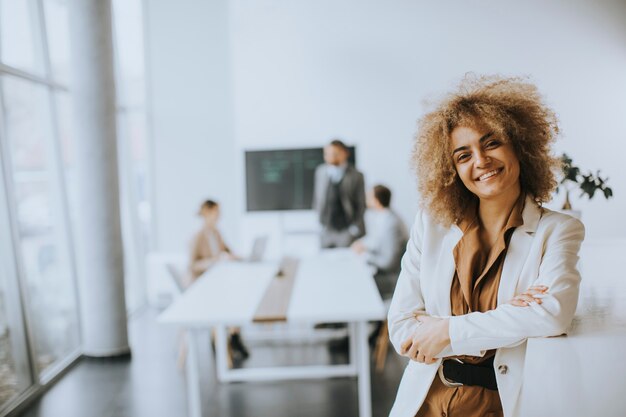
(486, 266)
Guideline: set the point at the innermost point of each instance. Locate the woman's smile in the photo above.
(489, 175)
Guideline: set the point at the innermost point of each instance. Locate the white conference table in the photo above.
(584, 373)
(334, 286)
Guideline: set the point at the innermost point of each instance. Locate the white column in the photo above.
(98, 231)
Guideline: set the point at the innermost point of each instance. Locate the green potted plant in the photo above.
(587, 183)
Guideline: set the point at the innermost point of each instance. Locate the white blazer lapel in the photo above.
(517, 251)
(445, 271)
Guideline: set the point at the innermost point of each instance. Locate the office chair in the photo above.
(177, 278)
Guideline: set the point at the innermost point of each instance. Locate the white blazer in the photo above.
(544, 250)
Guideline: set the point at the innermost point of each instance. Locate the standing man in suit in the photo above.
(339, 197)
(385, 242)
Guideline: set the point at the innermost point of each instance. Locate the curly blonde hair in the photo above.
(511, 108)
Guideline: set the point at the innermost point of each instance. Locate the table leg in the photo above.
(363, 366)
(221, 352)
(194, 399)
(352, 334)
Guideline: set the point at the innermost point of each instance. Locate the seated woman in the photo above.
(207, 248)
(486, 266)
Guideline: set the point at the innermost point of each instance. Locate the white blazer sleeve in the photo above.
(407, 296)
(509, 325)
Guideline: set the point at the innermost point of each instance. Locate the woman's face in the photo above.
(211, 215)
(486, 164)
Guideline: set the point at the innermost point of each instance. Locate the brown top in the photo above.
(474, 288)
(478, 268)
(205, 250)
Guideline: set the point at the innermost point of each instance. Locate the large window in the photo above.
(20, 36)
(39, 272)
(39, 318)
(15, 370)
(57, 31)
(43, 235)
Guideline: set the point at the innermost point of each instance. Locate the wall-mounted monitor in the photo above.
(282, 179)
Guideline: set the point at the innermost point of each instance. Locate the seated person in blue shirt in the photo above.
(385, 242)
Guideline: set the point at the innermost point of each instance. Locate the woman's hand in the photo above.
(532, 295)
(430, 338)
(228, 256)
(358, 247)
(432, 334)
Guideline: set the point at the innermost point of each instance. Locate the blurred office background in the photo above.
(200, 82)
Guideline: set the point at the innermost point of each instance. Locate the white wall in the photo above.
(303, 72)
(191, 116)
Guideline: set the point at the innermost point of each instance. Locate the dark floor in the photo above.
(150, 385)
